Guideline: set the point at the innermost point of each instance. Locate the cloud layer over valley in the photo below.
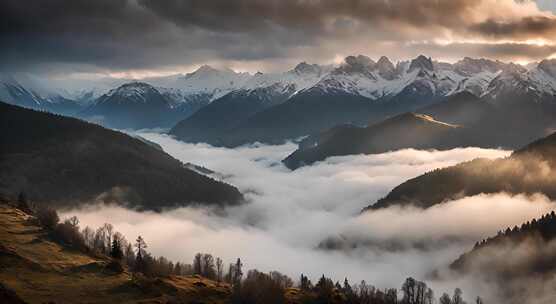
(290, 214)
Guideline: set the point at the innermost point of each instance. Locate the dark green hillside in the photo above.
(529, 170)
(407, 130)
(65, 161)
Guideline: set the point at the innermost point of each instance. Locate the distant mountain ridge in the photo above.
(361, 90)
(475, 123)
(409, 130)
(139, 105)
(310, 98)
(67, 162)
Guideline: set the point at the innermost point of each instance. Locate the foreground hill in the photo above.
(408, 130)
(65, 161)
(520, 261)
(531, 169)
(34, 269)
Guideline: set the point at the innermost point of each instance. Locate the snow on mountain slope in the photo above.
(289, 83)
(24, 90)
(205, 81)
(360, 75)
(132, 93)
(544, 77)
(518, 84)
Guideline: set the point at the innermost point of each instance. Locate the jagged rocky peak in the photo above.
(359, 60)
(386, 68)
(207, 70)
(421, 63)
(305, 68)
(470, 66)
(357, 64)
(132, 91)
(135, 87)
(548, 66)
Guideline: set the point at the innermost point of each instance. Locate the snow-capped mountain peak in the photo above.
(135, 91)
(421, 63)
(386, 68)
(548, 66)
(304, 68)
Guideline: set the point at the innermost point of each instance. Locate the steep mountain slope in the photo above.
(486, 123)
(408, 130)
(14, 92)
(462, 108)
(65, 162)
(37, 270)
(528, 170)
(518, 262)
(138, 105)
(213, 123)
(207, 81)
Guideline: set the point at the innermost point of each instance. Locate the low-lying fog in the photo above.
(290, 214)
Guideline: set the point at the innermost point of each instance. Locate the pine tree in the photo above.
(141, 246)
(116, 251)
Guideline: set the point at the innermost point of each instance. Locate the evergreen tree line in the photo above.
(255, 288)
(544, 227)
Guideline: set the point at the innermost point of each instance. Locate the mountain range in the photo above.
(227, 108)
(361, 91)
(66, 162)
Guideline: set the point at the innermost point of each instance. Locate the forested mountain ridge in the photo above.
(409, 130)
(66, 162)
(518, 262)
(542, 230)
(528, 170)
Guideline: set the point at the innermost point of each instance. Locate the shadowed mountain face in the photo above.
(65, 162)
(461, 120)
(528, 170)
(138, 105)
(518, 262)
(408, 130)
(226, 113)
(461, 109)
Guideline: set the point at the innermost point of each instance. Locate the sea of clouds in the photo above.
(290, 215)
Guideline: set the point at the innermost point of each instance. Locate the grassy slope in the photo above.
(39, 270)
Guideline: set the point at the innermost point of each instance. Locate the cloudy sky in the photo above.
(149, 37)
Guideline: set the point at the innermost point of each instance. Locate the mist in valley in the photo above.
(308, 220)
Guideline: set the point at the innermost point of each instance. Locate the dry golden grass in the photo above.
(41, 271)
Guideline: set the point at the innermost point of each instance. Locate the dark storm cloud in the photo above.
(149, 34)
(537, 26)
(500, 51)
(308, 15)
